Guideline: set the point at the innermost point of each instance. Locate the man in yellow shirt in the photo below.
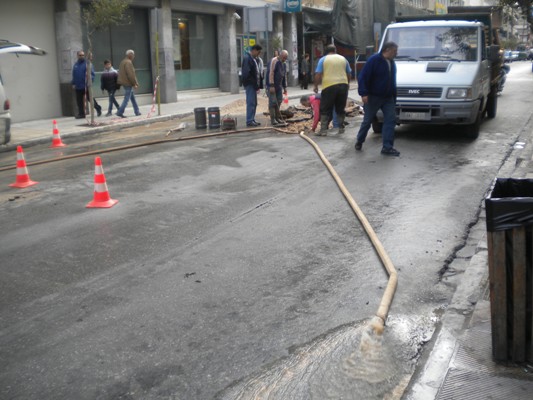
(334, 71)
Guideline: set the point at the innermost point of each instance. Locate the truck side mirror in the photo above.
(494, 53)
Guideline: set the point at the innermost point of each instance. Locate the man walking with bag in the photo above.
(128, 79)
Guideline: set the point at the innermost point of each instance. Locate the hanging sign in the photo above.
(293, 6)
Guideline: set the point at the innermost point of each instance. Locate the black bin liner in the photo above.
(510, 204)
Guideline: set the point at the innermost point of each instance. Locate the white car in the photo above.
(5, 117)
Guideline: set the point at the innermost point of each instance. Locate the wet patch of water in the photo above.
(351, 362)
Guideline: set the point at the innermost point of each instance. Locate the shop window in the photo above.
(195, 51)
(113, 42)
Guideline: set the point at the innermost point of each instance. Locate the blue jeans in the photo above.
(335, 121)
(388, 107)
(251, 103)
(112, 101)
(128, 94)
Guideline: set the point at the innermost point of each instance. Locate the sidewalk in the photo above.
(30, 133)
(459, 364)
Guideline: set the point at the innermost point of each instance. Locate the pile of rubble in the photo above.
(298, 117)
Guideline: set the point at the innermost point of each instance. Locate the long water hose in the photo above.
(386, 300)
(383, 310)
(130, 146)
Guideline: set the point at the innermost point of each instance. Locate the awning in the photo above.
(344, 13)
(317, 21)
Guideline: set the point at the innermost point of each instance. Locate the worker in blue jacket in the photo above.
(377, 88)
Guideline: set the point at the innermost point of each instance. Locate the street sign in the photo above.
(257, 19)
(293, 6)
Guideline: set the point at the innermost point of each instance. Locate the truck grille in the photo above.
(420, 92)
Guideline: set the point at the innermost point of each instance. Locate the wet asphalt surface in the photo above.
(232, 266)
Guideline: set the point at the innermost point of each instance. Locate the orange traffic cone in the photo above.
(56, 139)
(23, 178)
(101, 197)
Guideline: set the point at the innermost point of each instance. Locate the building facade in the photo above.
(199, 44)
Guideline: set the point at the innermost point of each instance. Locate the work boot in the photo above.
(340, 119)
(279, 118)
(272, 112)
(324, 122)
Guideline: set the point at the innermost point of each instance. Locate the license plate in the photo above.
(419, 116)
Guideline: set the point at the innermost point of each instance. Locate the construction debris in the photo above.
(179, 128)
(299, 118)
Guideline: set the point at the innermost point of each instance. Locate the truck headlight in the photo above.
(459, 93)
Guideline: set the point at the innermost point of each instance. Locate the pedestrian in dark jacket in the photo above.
(251, 80)
(79, 84)
(377, 88)
(305, 72)
(108, 82)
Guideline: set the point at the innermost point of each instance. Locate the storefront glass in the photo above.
(195, 51)
(112, 44)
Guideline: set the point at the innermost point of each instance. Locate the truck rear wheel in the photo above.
(492, 104)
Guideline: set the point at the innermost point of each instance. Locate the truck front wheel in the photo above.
(472, 131)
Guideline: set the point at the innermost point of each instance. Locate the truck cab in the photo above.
(445, 72)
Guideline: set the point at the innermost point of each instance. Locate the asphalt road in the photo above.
(233, 266)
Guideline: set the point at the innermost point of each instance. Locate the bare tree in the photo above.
(525, 8)
(101, 14)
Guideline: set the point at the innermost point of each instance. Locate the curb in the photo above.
(88, 130)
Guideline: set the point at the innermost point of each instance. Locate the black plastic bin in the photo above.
(509, 211)
(199, 118)
(214, 117)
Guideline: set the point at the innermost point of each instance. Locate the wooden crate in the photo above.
(511, 294)
(509, 210)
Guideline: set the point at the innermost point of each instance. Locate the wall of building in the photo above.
(39, 87)
(31, 82)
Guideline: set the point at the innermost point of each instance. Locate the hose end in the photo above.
(378, 325)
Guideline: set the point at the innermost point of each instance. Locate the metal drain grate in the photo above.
(470, 385)
(475, 375)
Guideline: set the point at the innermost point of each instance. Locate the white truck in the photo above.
(448, 67)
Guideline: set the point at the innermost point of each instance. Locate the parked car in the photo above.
(5, 117)
(507, 56)
(522, 56)
(514, 55)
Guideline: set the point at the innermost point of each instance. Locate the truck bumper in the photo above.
(457, 113)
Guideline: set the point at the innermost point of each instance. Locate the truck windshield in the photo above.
(435, 43)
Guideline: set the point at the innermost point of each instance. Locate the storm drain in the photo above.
(472, 385)
(474, 375)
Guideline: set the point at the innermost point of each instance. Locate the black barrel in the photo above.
(199, 118)
(214, 117)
